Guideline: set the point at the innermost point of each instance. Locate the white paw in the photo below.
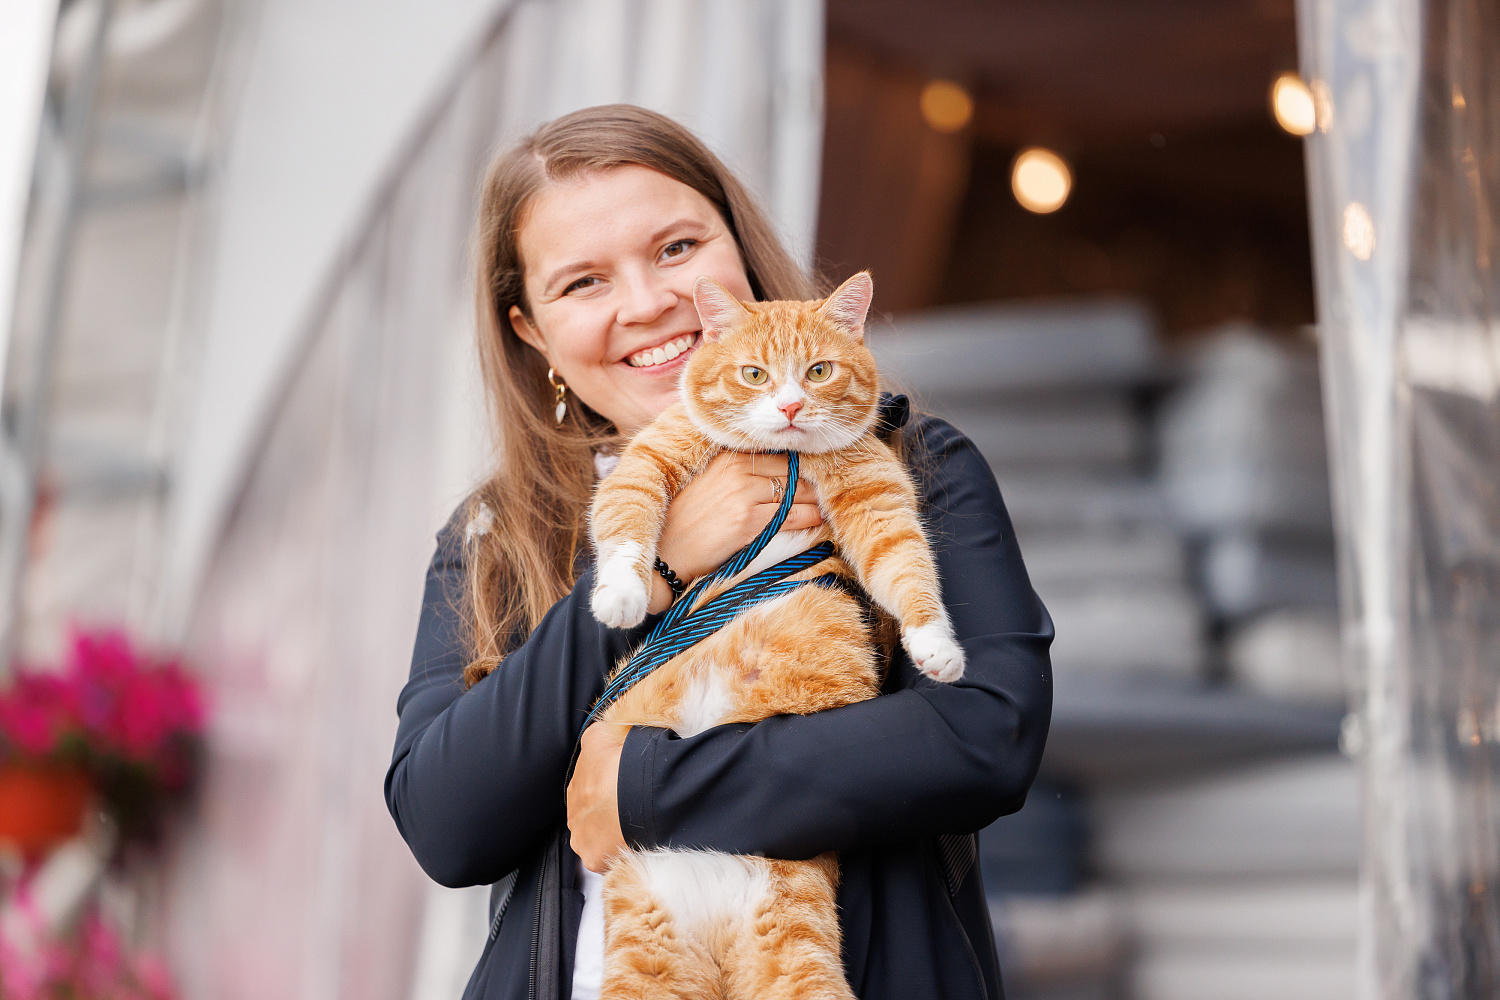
(935, 653)
(620, 598)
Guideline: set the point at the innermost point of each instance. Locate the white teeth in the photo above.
(661, 355)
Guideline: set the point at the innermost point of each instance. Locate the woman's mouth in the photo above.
(661, 354)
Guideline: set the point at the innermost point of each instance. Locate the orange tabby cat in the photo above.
(771, 376)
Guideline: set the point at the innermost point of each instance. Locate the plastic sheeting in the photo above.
(1405, 170)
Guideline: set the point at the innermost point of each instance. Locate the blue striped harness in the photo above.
(682, 628)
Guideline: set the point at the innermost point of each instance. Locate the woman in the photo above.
(592, 233)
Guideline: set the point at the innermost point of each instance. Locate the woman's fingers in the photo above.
(802, 515)
(769, 466)
(593, 810)
(764, 490)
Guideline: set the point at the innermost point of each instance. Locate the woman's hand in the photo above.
(593, 799)
(721, 510)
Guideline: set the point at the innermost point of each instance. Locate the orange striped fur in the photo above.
(699, 924)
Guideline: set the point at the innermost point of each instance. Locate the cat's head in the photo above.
(783, 376)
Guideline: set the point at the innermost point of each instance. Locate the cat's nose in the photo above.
(790, 409)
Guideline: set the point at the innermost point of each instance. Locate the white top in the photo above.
(588, 957)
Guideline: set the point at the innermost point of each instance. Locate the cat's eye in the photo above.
(820, 371)
(753, 375)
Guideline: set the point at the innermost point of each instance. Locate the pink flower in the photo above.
(36, 713)
(131, 705)
(130, 718)
(93, 963)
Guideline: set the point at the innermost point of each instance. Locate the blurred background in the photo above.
(240, 398)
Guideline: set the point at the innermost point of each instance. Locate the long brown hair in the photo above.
(528, 516)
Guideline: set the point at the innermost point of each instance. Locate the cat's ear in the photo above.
(848, 306)
(718, 310)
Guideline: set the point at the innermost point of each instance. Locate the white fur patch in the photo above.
(620, 597)
(790, 391)
(706, 703)
(701, 888)
(933, 650)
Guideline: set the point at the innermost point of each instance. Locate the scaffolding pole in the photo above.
(62, 194)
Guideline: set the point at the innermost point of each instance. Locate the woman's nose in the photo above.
(646, 298)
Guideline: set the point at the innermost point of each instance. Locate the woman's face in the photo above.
(609, 261)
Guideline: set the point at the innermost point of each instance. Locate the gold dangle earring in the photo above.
(562, 393)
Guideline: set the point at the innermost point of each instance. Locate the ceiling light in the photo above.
(1292, 103)
(1359, 231)
(1041, 180)
(946, 106)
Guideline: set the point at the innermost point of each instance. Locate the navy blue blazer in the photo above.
(897, 785)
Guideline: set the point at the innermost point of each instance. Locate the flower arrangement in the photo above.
(128, 722)
(93, 963)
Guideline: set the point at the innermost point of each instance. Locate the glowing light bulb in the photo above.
(1040, 180)
(1292, 103)
(946, 106)
(1359, 231)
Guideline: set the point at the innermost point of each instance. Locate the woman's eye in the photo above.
(820, 371)
(588, 282)
(678, 247)
(753, 375)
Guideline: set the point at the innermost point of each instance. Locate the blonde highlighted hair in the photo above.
(532, 507)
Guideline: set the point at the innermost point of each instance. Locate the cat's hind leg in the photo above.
(649, 954)
(790, 948)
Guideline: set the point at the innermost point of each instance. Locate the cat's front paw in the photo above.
(934, 652)
(620, 598)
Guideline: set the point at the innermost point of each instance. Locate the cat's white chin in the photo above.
(748, 435)
(807, 440)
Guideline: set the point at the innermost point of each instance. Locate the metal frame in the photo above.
(62, 195)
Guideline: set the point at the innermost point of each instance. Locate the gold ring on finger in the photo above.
(777, 490)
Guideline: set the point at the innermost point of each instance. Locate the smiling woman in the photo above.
(595, 234)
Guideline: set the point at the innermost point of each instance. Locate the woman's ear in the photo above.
(522, 328)
(718, 310)
(848, 306)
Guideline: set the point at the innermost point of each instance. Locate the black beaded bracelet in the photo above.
(672, 580)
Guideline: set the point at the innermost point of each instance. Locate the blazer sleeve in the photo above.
(477, 776)
(921, 759)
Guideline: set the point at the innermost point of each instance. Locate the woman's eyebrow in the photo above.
(567, 269)
(676, 225)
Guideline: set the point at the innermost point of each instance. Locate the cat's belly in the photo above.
(704, 890)
(802, 652)
(708, 701)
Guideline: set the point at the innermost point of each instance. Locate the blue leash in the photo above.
(681, 628)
